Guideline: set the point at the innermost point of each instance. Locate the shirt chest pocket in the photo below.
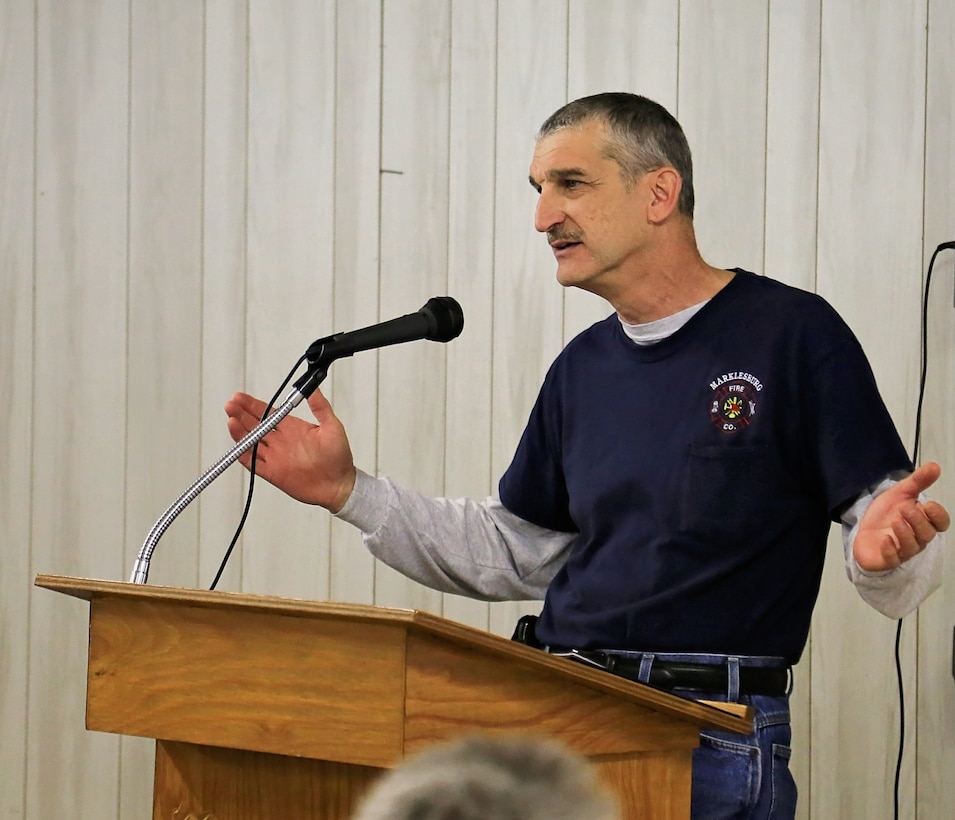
(727, 491)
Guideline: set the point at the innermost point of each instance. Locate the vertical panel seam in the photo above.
(447, 233)
(815, 266)
(201, 266)
(33, 401)
(329, 530)
(494, 193)
(765, 231)
(563, 295)
(381, 141)
(128, 254)
(245, 237)
(922, 274)
(815, 287)
(128, 262)
(676, 80)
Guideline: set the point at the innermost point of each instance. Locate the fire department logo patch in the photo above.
(734, 402)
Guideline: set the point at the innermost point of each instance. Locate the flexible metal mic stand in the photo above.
(302, 389)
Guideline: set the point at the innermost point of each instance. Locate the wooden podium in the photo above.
(265, 707)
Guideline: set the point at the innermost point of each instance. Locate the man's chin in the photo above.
(580, 281)
(570, 277)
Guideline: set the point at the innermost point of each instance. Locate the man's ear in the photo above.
(665, 185)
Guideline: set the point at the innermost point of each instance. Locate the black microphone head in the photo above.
(445, 319)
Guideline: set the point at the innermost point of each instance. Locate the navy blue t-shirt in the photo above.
(701, 473)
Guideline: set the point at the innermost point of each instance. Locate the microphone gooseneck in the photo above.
(140, 570)
(440, 320)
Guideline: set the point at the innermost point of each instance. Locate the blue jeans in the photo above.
(746, 776)
(739, 777)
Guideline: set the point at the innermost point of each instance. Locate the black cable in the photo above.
(923, 370)
(898, 674)
(248, 497)
(924, 365)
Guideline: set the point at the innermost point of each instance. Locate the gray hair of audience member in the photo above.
(515, 778)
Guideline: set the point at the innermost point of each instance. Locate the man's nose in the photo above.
(548, 213)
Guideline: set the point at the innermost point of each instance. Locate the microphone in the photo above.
(440, 320)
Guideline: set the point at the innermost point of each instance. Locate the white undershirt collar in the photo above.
(649, 333)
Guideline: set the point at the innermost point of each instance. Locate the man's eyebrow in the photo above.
(557, 174)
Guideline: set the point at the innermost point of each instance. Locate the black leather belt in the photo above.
(699, 677)
(694, 677)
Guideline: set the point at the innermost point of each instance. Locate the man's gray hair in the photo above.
(642, 136)
(515, 778)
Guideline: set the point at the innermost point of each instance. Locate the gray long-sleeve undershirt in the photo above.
(484, 551)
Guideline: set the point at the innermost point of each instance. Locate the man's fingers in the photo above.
(905, 545)
(915, 527)
(922, 528)
(245, 411)
(240, 424)
(320, 406)
(248, 404)
(937, 515)
(920, 480)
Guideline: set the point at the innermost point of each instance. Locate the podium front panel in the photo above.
(247, 679)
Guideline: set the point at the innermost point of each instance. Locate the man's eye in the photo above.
(570, 184)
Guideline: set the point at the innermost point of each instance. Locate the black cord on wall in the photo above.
(923, 370)
(248, 498)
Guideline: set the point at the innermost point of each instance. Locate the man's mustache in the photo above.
(559, 235)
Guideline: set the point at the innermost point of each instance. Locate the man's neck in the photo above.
(669, 288)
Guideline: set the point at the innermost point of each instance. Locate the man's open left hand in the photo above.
(897, 526)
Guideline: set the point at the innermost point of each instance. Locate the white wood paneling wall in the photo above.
(935, 790)
(193, 191)
(864, 229)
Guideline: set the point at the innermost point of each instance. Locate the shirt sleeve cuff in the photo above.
(367, 506)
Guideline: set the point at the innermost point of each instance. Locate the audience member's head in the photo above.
(480, 778)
